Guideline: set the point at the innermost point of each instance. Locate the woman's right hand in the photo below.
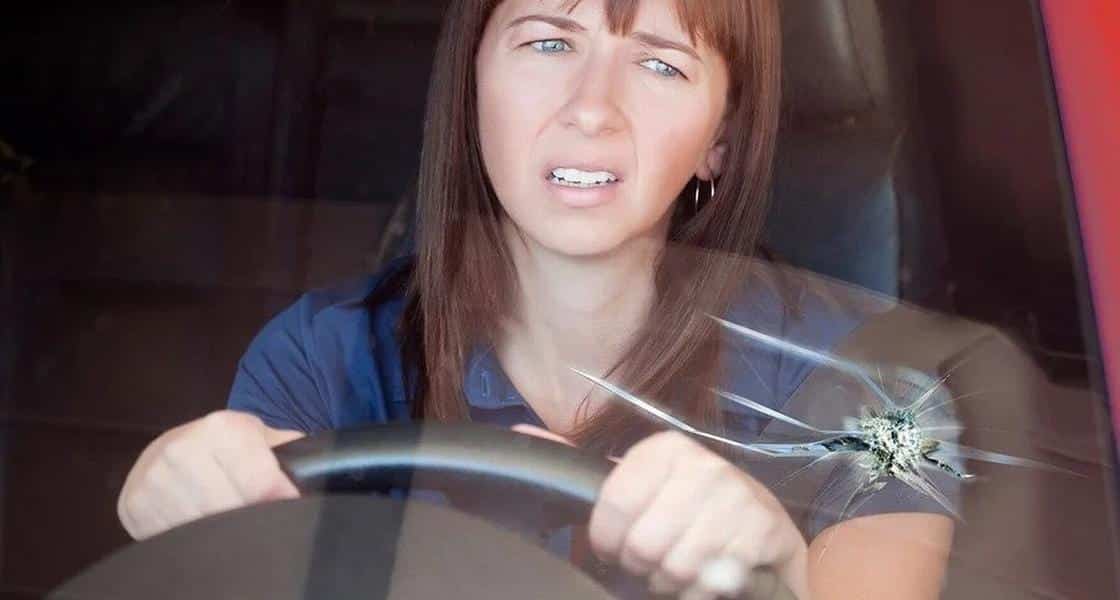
(217, 463)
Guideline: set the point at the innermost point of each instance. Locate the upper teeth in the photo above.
(579, 177)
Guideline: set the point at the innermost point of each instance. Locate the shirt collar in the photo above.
(486, 384)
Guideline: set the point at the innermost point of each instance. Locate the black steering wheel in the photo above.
(332, 544)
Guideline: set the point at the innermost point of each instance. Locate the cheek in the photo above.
(513, 108)
(669, 150)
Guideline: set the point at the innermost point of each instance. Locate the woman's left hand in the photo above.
(692, 522)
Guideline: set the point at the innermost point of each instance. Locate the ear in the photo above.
(711, 164)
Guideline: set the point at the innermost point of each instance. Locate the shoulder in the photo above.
(324, 309)
(788, 310)
(351, 327)
(329, 360)
(804, 307)
(323, 318)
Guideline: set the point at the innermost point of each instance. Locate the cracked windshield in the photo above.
(545, 299)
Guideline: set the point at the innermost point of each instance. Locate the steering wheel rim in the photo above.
(386, 456)
(250, 542)
(381, 457)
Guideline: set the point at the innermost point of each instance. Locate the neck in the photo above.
(572, 312)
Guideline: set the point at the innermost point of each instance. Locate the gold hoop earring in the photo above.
(696, 200)
(713, 196)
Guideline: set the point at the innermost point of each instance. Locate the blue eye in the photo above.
(661, 67)
(551, 46)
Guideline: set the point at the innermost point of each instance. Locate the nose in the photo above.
(593, 107)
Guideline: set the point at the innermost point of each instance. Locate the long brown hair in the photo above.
(463, 277)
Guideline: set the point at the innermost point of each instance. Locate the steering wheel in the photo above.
(328, 544)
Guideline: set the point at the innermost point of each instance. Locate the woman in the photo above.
(569, 216)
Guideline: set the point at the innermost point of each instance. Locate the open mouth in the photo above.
(579, 178)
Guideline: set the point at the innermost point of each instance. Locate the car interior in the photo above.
(178, 173)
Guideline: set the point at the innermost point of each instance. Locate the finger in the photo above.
(626, 494)
(131, 506)
(750, 546)
(145, 519)
(206, 480)
(277, 437)
(670, 514)
(713, 528)
(170, 515)
(212, 487)
(545, 434)
(725, 576)
(254, 473)
(722, 577)
(172, 499)
(535, 431)
(126, 510)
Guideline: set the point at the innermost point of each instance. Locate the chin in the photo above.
(578, 240)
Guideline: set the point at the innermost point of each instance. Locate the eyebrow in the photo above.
(558, 22)
(645, 37)
(657, 41)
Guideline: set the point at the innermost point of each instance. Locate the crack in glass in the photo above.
(902, 435)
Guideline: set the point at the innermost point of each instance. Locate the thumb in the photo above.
(535, 431)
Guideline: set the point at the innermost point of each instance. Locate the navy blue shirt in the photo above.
(331, 361)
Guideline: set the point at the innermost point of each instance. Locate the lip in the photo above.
(582, 198)
(590, 197)
(585, 165)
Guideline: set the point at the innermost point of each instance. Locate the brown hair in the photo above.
(462, 281)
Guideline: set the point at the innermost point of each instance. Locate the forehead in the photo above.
(619, 16)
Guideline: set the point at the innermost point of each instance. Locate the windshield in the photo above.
(831, 249)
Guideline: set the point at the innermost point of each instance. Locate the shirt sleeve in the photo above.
(809, 313)
(837, 496)
(276, 378)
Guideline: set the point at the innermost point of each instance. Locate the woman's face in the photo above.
(589, 137)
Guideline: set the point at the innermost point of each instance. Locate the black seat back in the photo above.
(853, 196)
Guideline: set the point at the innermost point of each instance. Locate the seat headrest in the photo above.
(834, 58)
